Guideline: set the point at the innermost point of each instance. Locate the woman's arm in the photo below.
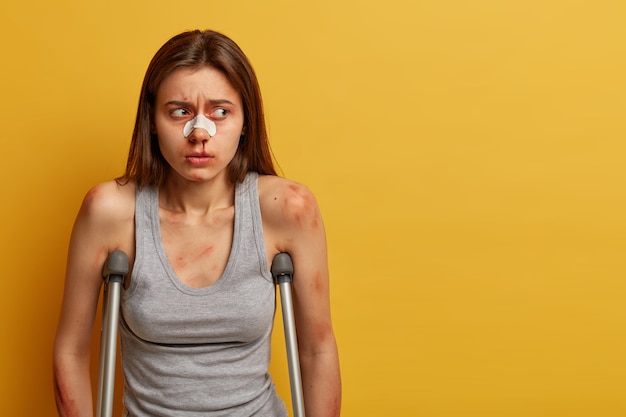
(293, 224)
(99, 228)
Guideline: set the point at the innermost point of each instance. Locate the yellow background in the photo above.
(468, 157)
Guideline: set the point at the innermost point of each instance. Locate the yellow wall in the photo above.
(468, 157)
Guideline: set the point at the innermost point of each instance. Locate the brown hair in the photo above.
(194, 49)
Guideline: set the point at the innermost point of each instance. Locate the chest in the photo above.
(239, 308)
(198, 248)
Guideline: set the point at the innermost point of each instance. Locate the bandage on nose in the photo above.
(200, 121)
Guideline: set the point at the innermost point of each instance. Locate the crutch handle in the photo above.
(282, 268)
(116, 265)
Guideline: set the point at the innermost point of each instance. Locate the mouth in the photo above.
(199, 158)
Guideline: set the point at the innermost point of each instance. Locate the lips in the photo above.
(199, 158)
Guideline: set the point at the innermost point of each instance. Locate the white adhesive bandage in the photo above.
(200, 121)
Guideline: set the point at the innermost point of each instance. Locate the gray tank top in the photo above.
(199, 351)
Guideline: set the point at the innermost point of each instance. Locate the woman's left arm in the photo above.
(293, 220)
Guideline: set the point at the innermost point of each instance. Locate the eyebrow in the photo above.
(187, 103)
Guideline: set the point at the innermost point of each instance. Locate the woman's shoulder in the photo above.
(287, 201)
(110, 201)
(106, 218)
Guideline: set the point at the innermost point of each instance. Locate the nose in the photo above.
(198, 135)
(200, 122)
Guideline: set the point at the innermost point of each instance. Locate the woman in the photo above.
(201, 214)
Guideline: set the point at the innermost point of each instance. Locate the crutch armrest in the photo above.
(116, 266)
(282, 268)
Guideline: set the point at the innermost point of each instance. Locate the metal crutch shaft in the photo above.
(282, 271)
(114, 273)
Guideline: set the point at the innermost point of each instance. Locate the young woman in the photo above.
(201, 214)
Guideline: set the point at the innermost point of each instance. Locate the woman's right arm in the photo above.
(102, 225)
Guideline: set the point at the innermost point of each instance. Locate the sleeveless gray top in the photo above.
(199, 351)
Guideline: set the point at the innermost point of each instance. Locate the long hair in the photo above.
(195, 49)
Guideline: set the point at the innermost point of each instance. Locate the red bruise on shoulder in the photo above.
(92, 194)
(100, 193)
(92, 199)
(300, 205)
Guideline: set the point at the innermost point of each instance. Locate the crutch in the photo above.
(114, 273)
(282, 271)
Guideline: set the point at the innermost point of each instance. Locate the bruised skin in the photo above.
(293, 224)
(62, 401)
(317, 284)
(288, 209)
(302, 207)
(186, 258)
(198, 247)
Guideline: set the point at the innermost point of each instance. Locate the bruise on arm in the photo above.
(104, 223)
(305, 241)
(300, 206)
(294, 224)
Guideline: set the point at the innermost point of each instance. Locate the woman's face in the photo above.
(183, 95)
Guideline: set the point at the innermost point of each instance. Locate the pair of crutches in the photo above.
(114, 274)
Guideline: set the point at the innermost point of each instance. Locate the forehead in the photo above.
(188, 84)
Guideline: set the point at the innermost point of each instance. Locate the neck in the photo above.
(196, 197)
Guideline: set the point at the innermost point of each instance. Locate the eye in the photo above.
(219, 113)
(180, 112)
